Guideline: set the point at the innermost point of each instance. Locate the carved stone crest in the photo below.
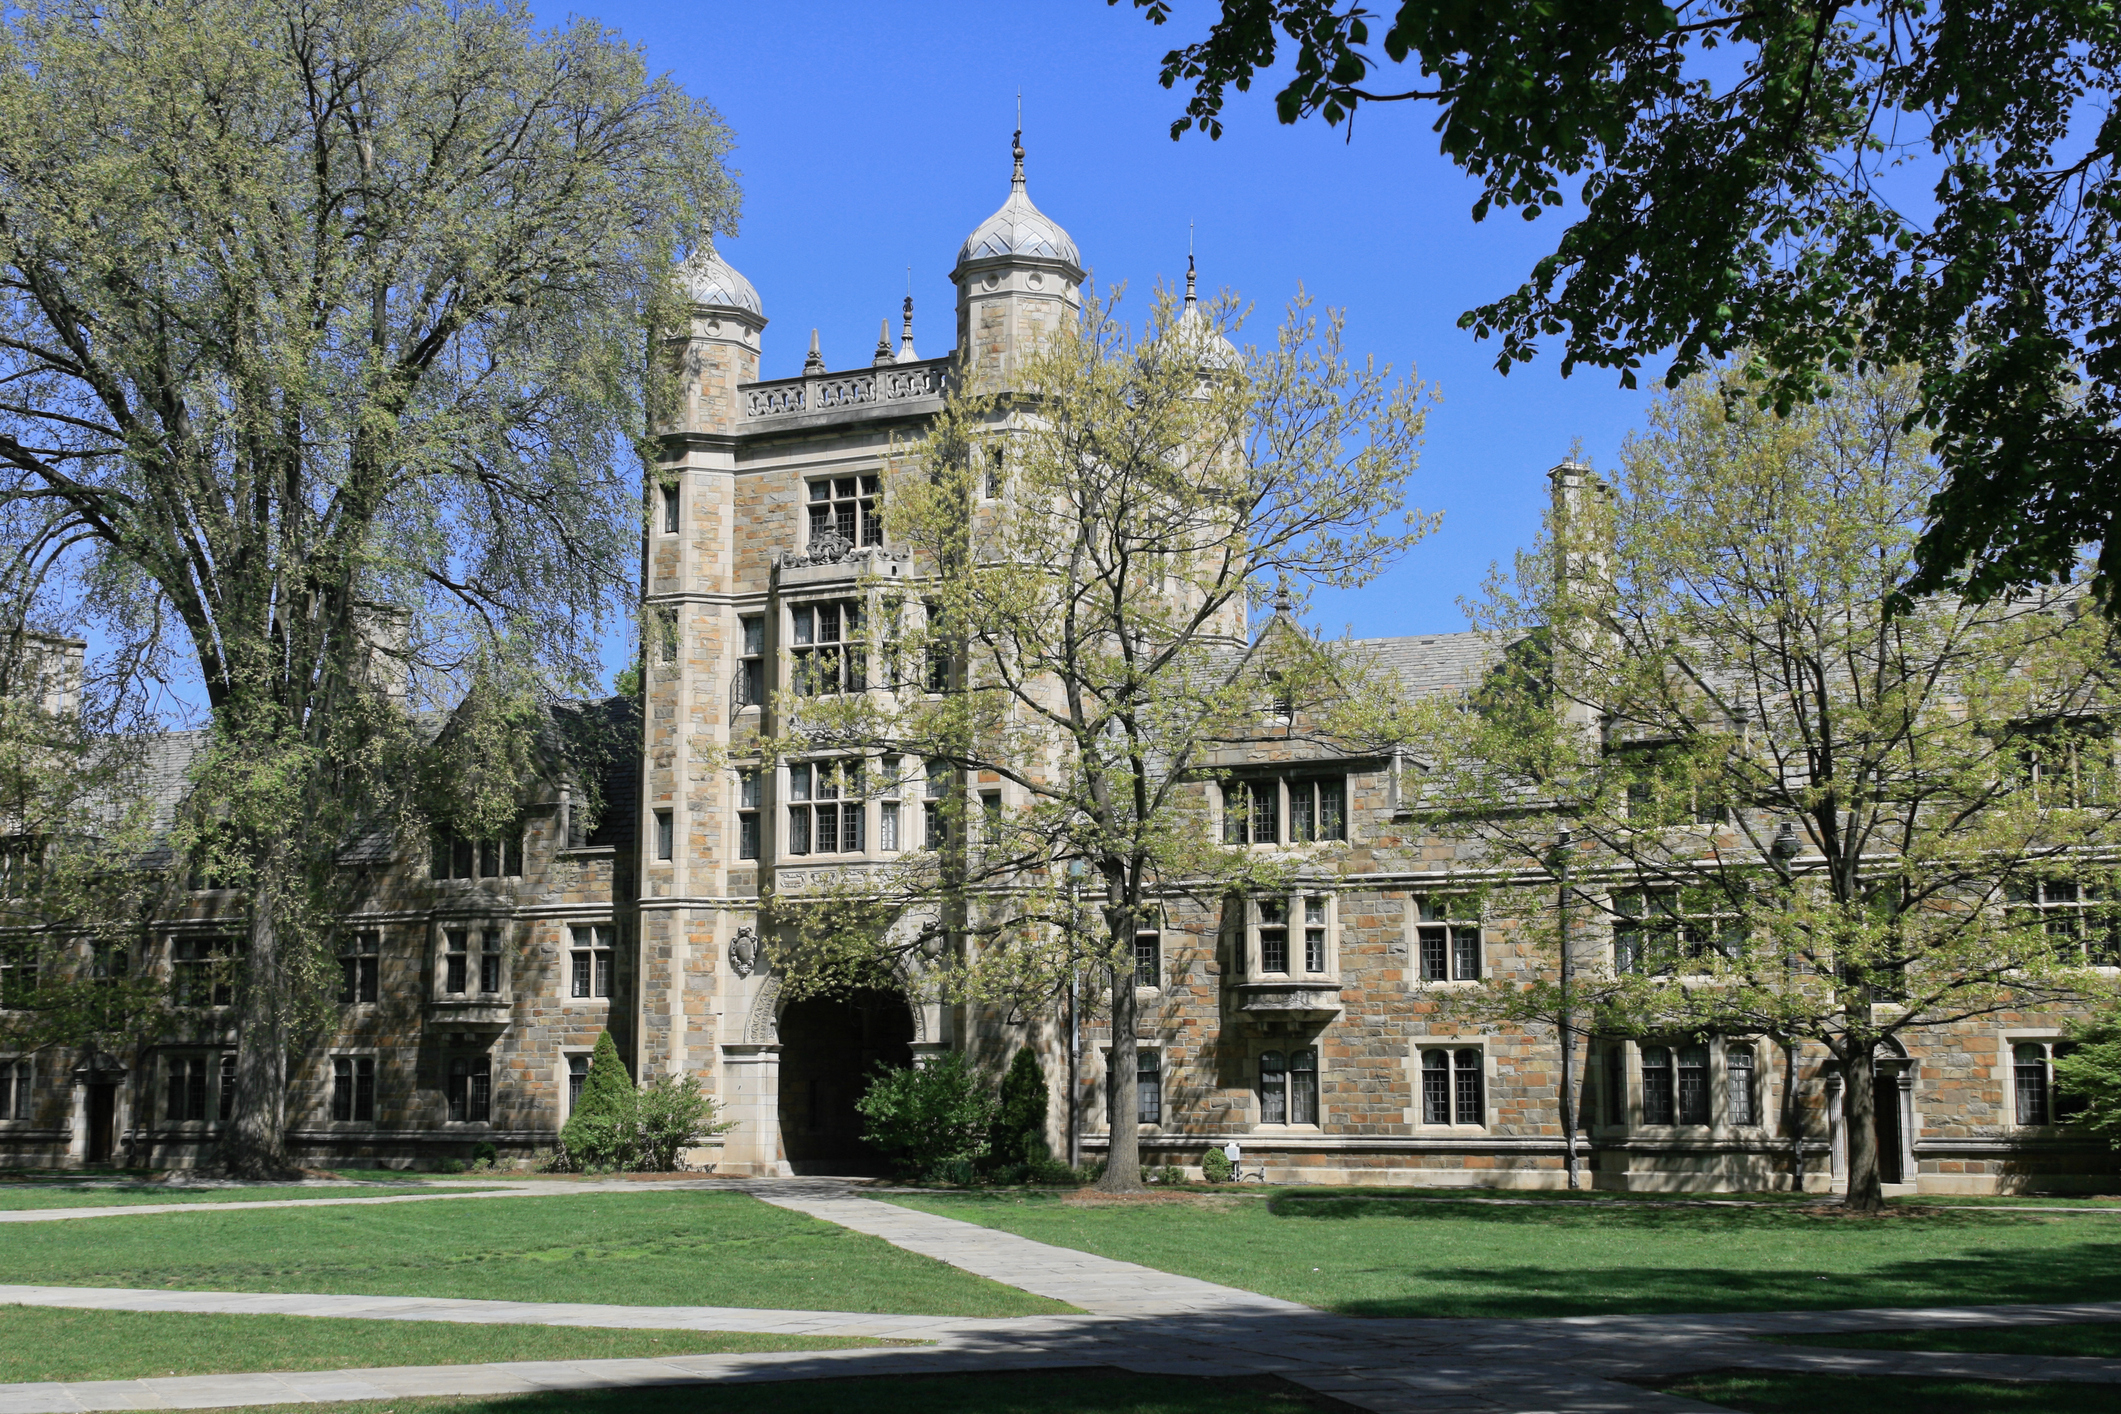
(744, 952)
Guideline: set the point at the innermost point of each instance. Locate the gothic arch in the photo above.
(763, 1024)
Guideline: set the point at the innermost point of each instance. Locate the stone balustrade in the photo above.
(830, 392)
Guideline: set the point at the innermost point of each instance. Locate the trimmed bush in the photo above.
(1020, 1123)
(616, 1125)
(927, 1116)
(1215, 1166)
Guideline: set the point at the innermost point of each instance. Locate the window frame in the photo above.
(592, 969)
(1440, 938)
(1298, 1103)
(457, 859)
(198, 1075)
(673, 506)
(807, 809)
(748, 814)
(1688, 934)
(1262, 810)
(853, 513)
(2091, 915)
(18, 1089)
(1294, 926)
(666, 837)
(353, 1088)
(471, 1101)
(751, 685)
(211, 971)
(361, 968)
(1464, 1067)
(828, 667)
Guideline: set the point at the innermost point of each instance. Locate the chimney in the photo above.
(385, 632)
(48, 668)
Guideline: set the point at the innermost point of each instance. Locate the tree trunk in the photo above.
(1123, 1169)
(254, 1142)
(1860, 1124)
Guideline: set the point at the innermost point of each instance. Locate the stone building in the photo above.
(477, 975)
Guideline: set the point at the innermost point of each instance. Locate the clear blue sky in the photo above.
(871, 138)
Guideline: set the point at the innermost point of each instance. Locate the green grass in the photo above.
(1377, 1257)
(2101, 1341)
(2085, 1202)
(1092, 1391)
(1772, 1392)
(630, 1249)
(15, 1197)
(49, 1343)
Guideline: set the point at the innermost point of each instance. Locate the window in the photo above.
(1616, 1083)
(887, 822)
(18, 973)
(2081, 917)
(1317, 810)
(747, 814)
(1273, 935)
(666, 841)
(2030, 1082)
(1288, 1089)
(990, 818)
(1148, 954)
(2068, 762)
(666, 635)
(828, 648)
(577, 1072)
(1449, 951)
(456, 960)
(470, 1090)
(1251, 812)
(1664, 786)
(353, 1089)
(202, 971)
(846, 506)
(187, 1090)
(935, 826)
(993, 489)
(590, 961)
(1148, 1087)
(1675, 1084)
(1659, 930)
(825, 807)
(1314, 935)
(1452, 1087)
(938, 648)
(456, 857)
(14, 1089)
(673, 498)
(359, 966)
(228, 1086)
(490, 962)
(20, 862)
(751, 665)
(1741, 1082)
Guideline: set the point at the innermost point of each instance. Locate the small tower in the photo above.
(723, 349)
(1018, 277)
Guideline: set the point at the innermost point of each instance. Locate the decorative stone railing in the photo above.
(828, 392)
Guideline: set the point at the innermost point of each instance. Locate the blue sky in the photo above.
(872, 138)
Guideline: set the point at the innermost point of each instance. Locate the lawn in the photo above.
(49, 1343)
(2101, 1341)
(629, 1249)
(1771, 1392)
(16, 1196)
(1092, 1391)
(1377, 1257)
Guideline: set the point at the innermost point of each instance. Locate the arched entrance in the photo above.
(829, 1048)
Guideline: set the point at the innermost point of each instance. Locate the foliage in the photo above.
(926, 1118)
(674, 1116)
(1907, 182)
(327, 330)
(2089, 1072)
(1077, 643)
(603, 1131)
(1019, 1133)
(1796, 808)
(1215, 1166)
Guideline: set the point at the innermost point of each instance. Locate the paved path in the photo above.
(1134, 1319)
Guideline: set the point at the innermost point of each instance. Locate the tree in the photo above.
(600, 1132)
(1020, 1122)
(325, 333)
(924, 1117)
(1799, 808)
(2089, 1073)
(1828, 187)
(1054, 686)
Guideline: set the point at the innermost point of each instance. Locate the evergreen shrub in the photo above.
(927, 1116)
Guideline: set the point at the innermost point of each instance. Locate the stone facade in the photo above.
(667, 887)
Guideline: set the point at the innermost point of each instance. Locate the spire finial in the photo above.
(1191, 298)
(1283, 604)
(905, 338)
(883, 343)
(815, 363)
(1016, 150)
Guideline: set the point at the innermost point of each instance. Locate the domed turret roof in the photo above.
(1019, 228)
(1201, 340)
(711, 280)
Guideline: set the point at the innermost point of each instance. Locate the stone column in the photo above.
(751, 1077)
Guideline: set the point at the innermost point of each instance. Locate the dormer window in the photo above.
(846, 506)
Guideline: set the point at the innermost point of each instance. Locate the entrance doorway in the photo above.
(1885, 1103)
(830, 1046)
(102, 1116)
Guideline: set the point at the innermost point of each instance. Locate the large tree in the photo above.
(1824, 184)
(322, 341)
(1796, 807)
(1060, 681)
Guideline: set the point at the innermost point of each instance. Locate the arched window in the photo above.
(1303, 1087)
(1657, 1087)
(2029, 1074)
(1273, 1089)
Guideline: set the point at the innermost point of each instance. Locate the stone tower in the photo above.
(1018, 276)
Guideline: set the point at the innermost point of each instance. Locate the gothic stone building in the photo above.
(477, 976)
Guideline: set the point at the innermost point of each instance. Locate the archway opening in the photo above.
(830, 1047)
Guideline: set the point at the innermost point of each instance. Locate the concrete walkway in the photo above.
(1135, 1319)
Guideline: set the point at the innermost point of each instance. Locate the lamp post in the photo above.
(1568, 1031)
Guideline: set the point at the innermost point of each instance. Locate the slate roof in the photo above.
(1428, 663)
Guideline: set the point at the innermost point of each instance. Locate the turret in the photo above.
(723, 349)
(1018, 278)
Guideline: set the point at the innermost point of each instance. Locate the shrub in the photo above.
(673, 1117)
(1170, 1173)
(601, 1133)
(1215, 1166)
(485, 1152)
(1051, 1172)
(2090, 1073)
(928, 1115)
(1020, 1123)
